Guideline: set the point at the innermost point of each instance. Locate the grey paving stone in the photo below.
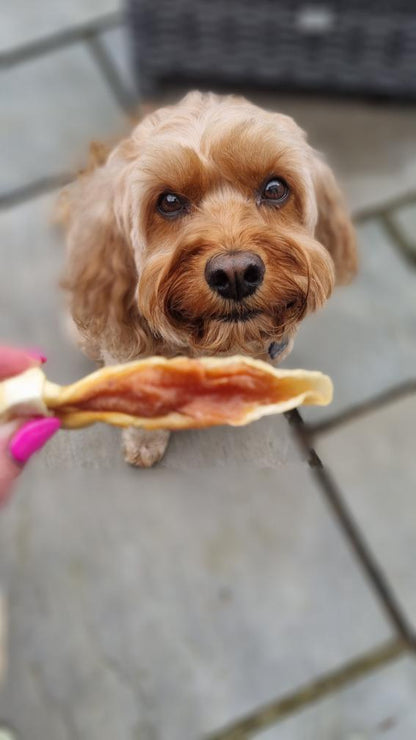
(118, 45)
(405, 220)
(365, 336)
(379, 707)
(7, 734)
(31, 303)
(162, 605)
(374, 461)
(23, 21)
(3, 639)
(52, 108)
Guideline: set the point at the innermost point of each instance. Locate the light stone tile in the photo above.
(365, 337)
(378, 707)
(374, 461)
(31, 303)
(25, 21)
(7, 734)
(159, 604)
(53, 106)
(3, 638)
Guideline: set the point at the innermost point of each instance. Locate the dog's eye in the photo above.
(275, 191)
(171, 204)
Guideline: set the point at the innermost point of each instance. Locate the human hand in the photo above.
(20, 438)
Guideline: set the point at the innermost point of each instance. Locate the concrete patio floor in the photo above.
(260, 581)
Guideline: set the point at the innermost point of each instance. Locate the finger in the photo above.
(17, 444)
(14, 361)
(31, 437)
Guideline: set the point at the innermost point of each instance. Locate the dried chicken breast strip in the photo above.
(184, 393)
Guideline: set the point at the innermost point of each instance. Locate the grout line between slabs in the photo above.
(33, 189)
(397, 237)
(365, 214)
(110, 74)
(351, 530)
(319, 688)
(59, 39)
(283, 707)
(376, 403)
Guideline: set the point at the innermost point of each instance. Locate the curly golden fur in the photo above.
(136, 280)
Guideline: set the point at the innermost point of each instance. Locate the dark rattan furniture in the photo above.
(360, 47)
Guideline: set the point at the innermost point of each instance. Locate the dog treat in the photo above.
(160, 393)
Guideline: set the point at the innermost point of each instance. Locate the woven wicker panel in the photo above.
(350, 46)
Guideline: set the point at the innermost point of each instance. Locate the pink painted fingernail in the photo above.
(31, 437)
(37, 355)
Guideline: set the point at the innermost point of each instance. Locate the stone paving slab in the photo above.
(24, 21)
(3, 639)
(374, 461)
(52, 107)
(365, 336)
(31, 303)
(379, 707)
(155, 604)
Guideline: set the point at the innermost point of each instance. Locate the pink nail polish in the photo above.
(31, 437)
(37, 355)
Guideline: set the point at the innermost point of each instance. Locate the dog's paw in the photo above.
(144, 448)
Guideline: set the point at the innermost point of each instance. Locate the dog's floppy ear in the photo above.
(334, 228)
(100, 274)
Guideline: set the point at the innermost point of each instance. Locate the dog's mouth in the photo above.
(235, 317)
(241, 328)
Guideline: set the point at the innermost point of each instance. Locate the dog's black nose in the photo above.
(235, 275)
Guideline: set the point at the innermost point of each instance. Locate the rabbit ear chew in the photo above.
(184, 393)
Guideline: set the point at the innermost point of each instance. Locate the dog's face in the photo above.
(224, 212)
(236, 227)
